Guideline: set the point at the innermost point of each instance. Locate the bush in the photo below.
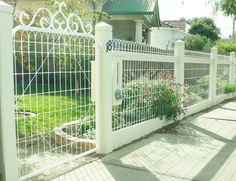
(149, 97)
(230, 88)
(226, 46)
(197, 43)
(168, 99)
(193, 98)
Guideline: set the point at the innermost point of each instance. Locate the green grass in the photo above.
(51, 111)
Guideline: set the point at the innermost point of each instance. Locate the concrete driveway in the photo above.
(201, 147)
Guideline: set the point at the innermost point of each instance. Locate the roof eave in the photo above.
(130, 13)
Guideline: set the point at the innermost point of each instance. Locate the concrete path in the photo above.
(202, 147)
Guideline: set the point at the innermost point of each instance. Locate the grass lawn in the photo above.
(52, 110)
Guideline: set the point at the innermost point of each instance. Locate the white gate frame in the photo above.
(8, 155)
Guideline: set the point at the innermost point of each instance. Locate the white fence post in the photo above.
(232, 68)
(179, 65)
(213, 75)
(8, 162)
(103, 33)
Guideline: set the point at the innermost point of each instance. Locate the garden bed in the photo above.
(75, 134)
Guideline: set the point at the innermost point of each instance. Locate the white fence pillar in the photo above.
(8, 162)
(213, 75)
(232, 68)
(103, 33)
(179, 65)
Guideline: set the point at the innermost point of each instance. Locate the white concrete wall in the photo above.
(164, 37)
(123, 29)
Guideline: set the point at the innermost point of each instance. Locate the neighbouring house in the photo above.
(179, 24)
(131, 19)
(169, 31)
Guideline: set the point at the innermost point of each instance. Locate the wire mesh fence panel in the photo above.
(222, 78)
(146, 71)
(196, 77)
(140, 87)
(55, 118)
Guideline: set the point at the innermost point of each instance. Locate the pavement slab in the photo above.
(201, 147)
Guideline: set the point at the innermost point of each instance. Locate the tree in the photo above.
(204, 27)
(229, 9)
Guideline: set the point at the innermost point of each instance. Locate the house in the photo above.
(179, 24)
(131, 19)
(169, 31)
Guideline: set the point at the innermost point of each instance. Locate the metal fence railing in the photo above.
(66, 108)
(140, 87)
(223, 72)
(197, 78)
(55, 117)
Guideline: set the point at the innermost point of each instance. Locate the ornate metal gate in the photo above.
(55, 118)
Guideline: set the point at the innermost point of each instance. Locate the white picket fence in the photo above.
(117, 64)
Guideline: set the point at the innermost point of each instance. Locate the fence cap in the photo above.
(5, 8)
(103, 27)
(214, 49)
(179, 42)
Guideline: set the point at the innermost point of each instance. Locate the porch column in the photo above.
(139, 31)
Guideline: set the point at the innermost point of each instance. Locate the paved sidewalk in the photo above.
(202, 147)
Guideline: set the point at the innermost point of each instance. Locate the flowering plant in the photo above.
(150, 96)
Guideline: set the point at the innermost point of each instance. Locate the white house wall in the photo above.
(123, 29)
(164, 38)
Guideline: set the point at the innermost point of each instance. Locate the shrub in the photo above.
(197, 43)
(150, 97)
(226, 46)
(168, 99)
(230, 88)
(193, 98)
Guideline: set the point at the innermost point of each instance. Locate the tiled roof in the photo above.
(179, 24)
